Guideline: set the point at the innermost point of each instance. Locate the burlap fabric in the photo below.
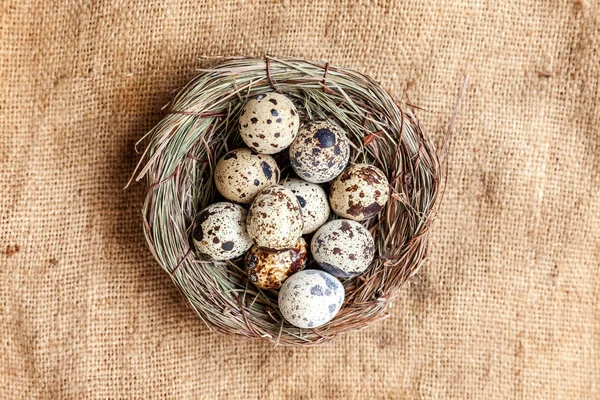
(506, 306)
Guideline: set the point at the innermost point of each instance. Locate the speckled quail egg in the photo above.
(220, 231)
(342, 247)
(320, 152)
(241, 174)
(310, 298)
(269, 123)
(313, 203)
(359, 193)
(268, 269)
(274, 219)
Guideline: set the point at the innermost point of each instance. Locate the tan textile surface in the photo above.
(507, 305)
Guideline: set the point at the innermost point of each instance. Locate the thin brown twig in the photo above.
(198, 114)
(248, 324)
(156, 184)
(187, 254)
(269, 77)
(197, 159)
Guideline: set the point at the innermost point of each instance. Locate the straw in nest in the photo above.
(201, 125)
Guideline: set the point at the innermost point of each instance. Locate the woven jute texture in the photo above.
(507, 305)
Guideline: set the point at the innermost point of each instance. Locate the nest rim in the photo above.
(200, 126)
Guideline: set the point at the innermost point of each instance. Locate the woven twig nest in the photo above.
(202, 124)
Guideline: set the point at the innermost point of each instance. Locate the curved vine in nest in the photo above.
(202, 124)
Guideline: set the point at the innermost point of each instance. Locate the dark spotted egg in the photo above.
(310, 298)
(274, 219)
(359, 193)
(241, 174)
(220, 231)
(342, 247)
(313, 203)
(268, 269)
(320, 152)
(269, 123)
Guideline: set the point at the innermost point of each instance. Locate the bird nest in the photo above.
(202, 124)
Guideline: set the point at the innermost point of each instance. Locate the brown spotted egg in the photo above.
(359, 193)
(220, 231)
(274, 219)
(269, 123)
(268, 269)
(313, 203)
(320, 152)
(342, 247)
(241, 174)
(310, 298)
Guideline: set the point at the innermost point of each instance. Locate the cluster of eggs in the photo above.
(270, 233)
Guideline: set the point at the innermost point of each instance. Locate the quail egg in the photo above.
(342, 247)
(274, 219)
(220, 231)
(268, 269)
(241, 174)
(269, 123)
(310, 298)
(320, 152)
(313, 203)
(359, 193)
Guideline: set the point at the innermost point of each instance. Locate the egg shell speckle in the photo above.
(241, 174)
(359, 193)
(320, 152)
(220, 231)
(310, 298)
(342, 247)
(313, 203)
(269, 269)
(269, 123)
(274, 219)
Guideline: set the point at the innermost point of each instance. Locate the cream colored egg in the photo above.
(342, 247)
(220, 231)
(320, 152)
(313, 203)
(241, 174)
(310, 298)
(274, 219)
(269, 123)
(268, 269)
(359, 193)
